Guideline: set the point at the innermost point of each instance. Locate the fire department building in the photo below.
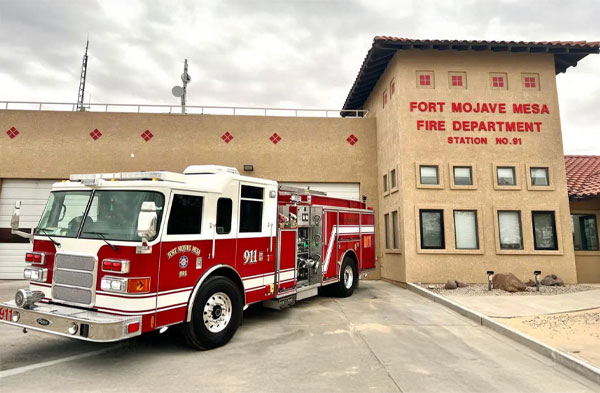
(456, 144)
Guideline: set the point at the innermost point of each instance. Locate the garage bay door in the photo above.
(339, 190)
(33, 195)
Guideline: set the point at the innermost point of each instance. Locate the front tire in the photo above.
(348, 278)
(216, 314)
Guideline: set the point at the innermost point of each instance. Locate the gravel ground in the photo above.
(481, 290)
(565, 321)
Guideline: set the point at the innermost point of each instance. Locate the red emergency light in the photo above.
(115, 265)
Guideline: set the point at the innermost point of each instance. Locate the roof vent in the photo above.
(209, 169)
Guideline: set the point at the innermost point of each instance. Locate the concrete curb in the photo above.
(588, 371)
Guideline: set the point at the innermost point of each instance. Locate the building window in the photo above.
(186, 215)
(539, 176)
(386, 222)
(251, 209)
(385, 98)
(432, 229)
(506, 175)
(509, 227)
(463, 176)
(425, 80)
(585, 232)
(498, 81)
(393, 180)
(544, 230)
(392, 88)
(224, 207)
(458, 80)
(395, 230)
(465, 230)
(531, 81)
(428, 174)
(385, 183)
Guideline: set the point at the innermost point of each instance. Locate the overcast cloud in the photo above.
(303, 54)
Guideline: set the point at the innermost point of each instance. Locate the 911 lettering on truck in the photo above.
(116, 255)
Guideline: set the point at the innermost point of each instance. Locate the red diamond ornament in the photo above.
(352, 139)
(146, 135)
(227, 137)
(275, 138)
(95, 134)
(12, 133)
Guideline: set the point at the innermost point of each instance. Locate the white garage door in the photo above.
(33, 195)
(339, 190)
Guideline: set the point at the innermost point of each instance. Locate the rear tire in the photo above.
(348, 278)
(216, 314)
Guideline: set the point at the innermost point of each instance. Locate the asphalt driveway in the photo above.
(382, 339)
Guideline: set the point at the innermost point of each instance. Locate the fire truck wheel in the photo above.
(349, 278)
(216, 314)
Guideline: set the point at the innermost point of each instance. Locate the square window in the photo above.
(509, 228)
(539, 177)
(544, 230)
(465, 230)
(585, 232)
(498, 81)
(506, 176)
(425, 79)
(463, 176)
(531, 81)
(432, 229)
(429, 174)
(457, 80)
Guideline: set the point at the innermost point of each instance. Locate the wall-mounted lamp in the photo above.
(248, 167)
(490, 273)
(537, 273)
(364, 199)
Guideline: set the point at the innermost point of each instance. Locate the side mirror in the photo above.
(14, 220)
(147, 220)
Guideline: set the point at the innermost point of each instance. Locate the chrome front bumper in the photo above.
(60, 320)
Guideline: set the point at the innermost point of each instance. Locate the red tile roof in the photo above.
(583, 176)
(566, 54)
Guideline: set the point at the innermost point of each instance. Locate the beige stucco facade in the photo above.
(391, 139)
(402, 146)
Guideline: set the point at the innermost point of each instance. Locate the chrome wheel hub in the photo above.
(217, 312)
(348, 277)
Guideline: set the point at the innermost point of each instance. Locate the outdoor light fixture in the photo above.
(537, 273)
(490, 273)
(364, 199)
(248, 167)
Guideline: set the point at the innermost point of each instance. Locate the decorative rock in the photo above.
(530, 283)
(552, 280)
(560, 282)
(451, 284)
(508, 282)
(461, 284)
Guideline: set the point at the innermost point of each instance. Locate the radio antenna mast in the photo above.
(179, 91)
(80, 104)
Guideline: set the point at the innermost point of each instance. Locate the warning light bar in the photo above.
(95, 178)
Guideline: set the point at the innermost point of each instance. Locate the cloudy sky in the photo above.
(296, 53)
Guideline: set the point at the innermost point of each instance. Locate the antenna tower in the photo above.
(80, 106)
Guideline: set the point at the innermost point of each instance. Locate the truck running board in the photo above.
(281, 303)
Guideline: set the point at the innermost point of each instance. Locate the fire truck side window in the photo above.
(224, 206)
(186, 215)
(251, 207)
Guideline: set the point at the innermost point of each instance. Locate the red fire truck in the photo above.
(116, 255)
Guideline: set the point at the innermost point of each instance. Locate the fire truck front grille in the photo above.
(74, 278)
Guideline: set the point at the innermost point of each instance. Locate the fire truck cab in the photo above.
(116, 255)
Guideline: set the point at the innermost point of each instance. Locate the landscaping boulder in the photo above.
(508, 282)
(530, 283)
(451, 284)
(461, 284)
(552, 280)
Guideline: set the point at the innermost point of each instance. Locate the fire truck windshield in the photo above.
(112, 213)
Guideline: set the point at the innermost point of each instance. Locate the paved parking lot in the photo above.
(382, 339)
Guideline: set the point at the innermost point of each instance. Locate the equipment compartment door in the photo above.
(286, 278)
(367, 231)
(330, 245)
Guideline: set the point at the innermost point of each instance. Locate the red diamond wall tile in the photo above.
(227, 137)
(95, 134)
(12, 133)
(352, 139)
(275, 138)
(146, 135)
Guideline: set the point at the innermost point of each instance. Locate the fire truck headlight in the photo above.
(35, 274)
(114, 284)
(73, 328)
(16, 316)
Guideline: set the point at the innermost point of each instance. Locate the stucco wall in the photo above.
(587, 262)
(400, 143)
(56, 144)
